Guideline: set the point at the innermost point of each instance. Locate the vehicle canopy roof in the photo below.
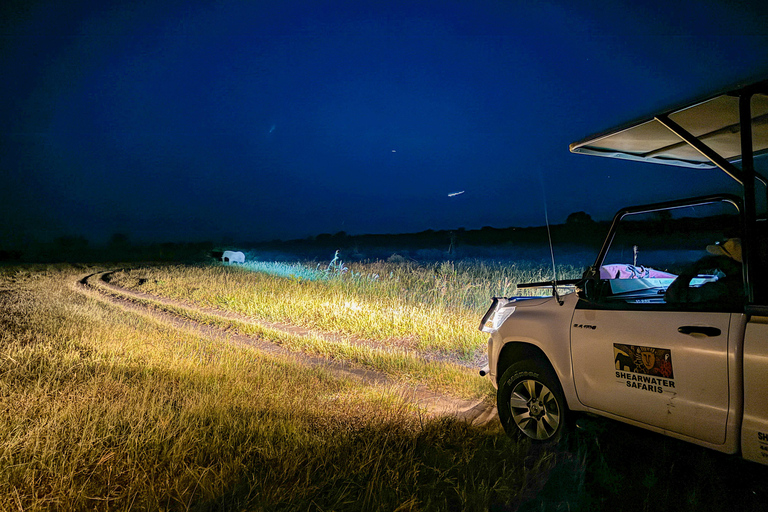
(713, 121)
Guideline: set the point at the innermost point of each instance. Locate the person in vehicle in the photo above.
(726, 283)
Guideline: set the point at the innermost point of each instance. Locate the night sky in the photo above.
(254, 120)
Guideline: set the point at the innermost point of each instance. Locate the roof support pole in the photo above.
(727, 167)
(749, 247)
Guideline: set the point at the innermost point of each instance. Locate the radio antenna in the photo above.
(549, 237)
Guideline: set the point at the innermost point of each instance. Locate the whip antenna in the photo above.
(549, 237)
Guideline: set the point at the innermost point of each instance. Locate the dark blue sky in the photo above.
(174, 121)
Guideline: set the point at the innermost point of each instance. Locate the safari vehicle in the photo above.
(614, 343)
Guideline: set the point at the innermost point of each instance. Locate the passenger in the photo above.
(724, 265)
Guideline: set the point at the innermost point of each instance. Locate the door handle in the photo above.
(699, 330)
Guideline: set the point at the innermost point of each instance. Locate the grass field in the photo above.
(100, 409)
(105, 409)
(428, 307)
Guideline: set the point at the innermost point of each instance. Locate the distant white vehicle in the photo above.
(233, 257)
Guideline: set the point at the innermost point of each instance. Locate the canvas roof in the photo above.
(714, 121)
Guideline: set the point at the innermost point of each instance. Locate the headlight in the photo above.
(497, 314)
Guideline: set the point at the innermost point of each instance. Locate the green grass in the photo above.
(441, 376)
(423, 307)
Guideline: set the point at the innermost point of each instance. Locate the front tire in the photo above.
(531, 403)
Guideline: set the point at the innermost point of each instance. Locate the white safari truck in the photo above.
(618, 342)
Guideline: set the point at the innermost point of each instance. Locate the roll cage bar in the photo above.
(594, 271)
(710, 140)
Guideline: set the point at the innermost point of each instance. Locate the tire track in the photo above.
(434, 404)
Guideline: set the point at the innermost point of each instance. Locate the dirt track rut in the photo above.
(434, 404)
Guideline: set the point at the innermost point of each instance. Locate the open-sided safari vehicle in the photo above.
(668, 330)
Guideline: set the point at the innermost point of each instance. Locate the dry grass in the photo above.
(103, 409)
(403, 365)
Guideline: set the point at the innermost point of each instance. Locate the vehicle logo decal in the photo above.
(645, 368)
(762, 439)
(649, 359)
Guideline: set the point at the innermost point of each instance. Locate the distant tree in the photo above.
(341, 235)
(10, 255)
(662, 219)
(579, 219)
(119, 240)
(71, 243)
(452, 236)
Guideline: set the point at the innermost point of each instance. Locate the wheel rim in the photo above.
(535, 410)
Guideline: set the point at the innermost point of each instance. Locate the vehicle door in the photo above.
(639, 355)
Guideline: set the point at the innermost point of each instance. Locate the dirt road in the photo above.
(434, 404)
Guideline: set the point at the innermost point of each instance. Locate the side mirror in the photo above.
(590, 289)
(591, 273)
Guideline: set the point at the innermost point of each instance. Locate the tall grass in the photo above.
(103, 409)
(438, 373)
(423, 306)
